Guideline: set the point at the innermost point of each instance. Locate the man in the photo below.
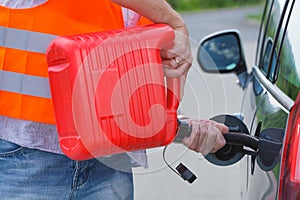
(32, 165)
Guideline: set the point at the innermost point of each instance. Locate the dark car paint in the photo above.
(273, 87)
(274, 101)
(270, 103)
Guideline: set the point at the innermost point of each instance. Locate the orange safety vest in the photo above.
(24, 37)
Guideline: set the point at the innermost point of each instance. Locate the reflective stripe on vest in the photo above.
(24, 84)
(28, 41)
(25, 40)
(24, 36)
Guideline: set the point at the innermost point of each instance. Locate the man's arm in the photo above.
(158, 11)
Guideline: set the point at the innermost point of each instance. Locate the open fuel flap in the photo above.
(265, 148)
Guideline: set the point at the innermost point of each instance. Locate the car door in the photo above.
(268, 96)
(270, 105)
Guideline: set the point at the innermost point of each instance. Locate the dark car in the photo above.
(268, 129)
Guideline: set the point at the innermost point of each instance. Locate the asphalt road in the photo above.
(206, 95)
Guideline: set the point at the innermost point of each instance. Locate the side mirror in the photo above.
(222, 53)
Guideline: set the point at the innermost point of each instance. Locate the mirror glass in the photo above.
(219, 53)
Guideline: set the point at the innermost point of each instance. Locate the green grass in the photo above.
(192, 5)
(255, 17)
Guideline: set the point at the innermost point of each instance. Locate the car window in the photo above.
(266, 59)
(262, 29)
(270, 24)
(288, 78)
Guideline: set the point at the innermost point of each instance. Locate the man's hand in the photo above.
(206, 136)
(178, 60)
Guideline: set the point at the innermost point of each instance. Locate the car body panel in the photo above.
(271, 112)
(273, 103)
(270, 91)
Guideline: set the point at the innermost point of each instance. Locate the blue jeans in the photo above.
(33, 174)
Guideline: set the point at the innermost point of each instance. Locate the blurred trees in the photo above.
(183, 5)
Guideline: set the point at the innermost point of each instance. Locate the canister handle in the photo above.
(173, 93)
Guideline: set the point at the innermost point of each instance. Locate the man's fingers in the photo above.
(170, 64)
(168, 54)
(211, 142)
(219, 144)
(176, 71)
(206, 136)
(222, 127)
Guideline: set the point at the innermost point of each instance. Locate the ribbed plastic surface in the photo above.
(109, 92)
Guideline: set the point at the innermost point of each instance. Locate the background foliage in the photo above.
(188, 5)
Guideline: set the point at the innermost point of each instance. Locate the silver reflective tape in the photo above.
(24, 84)
(25, 40)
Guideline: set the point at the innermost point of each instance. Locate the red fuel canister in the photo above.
(109, 92)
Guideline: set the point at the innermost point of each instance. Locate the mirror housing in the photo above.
(222, 52)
